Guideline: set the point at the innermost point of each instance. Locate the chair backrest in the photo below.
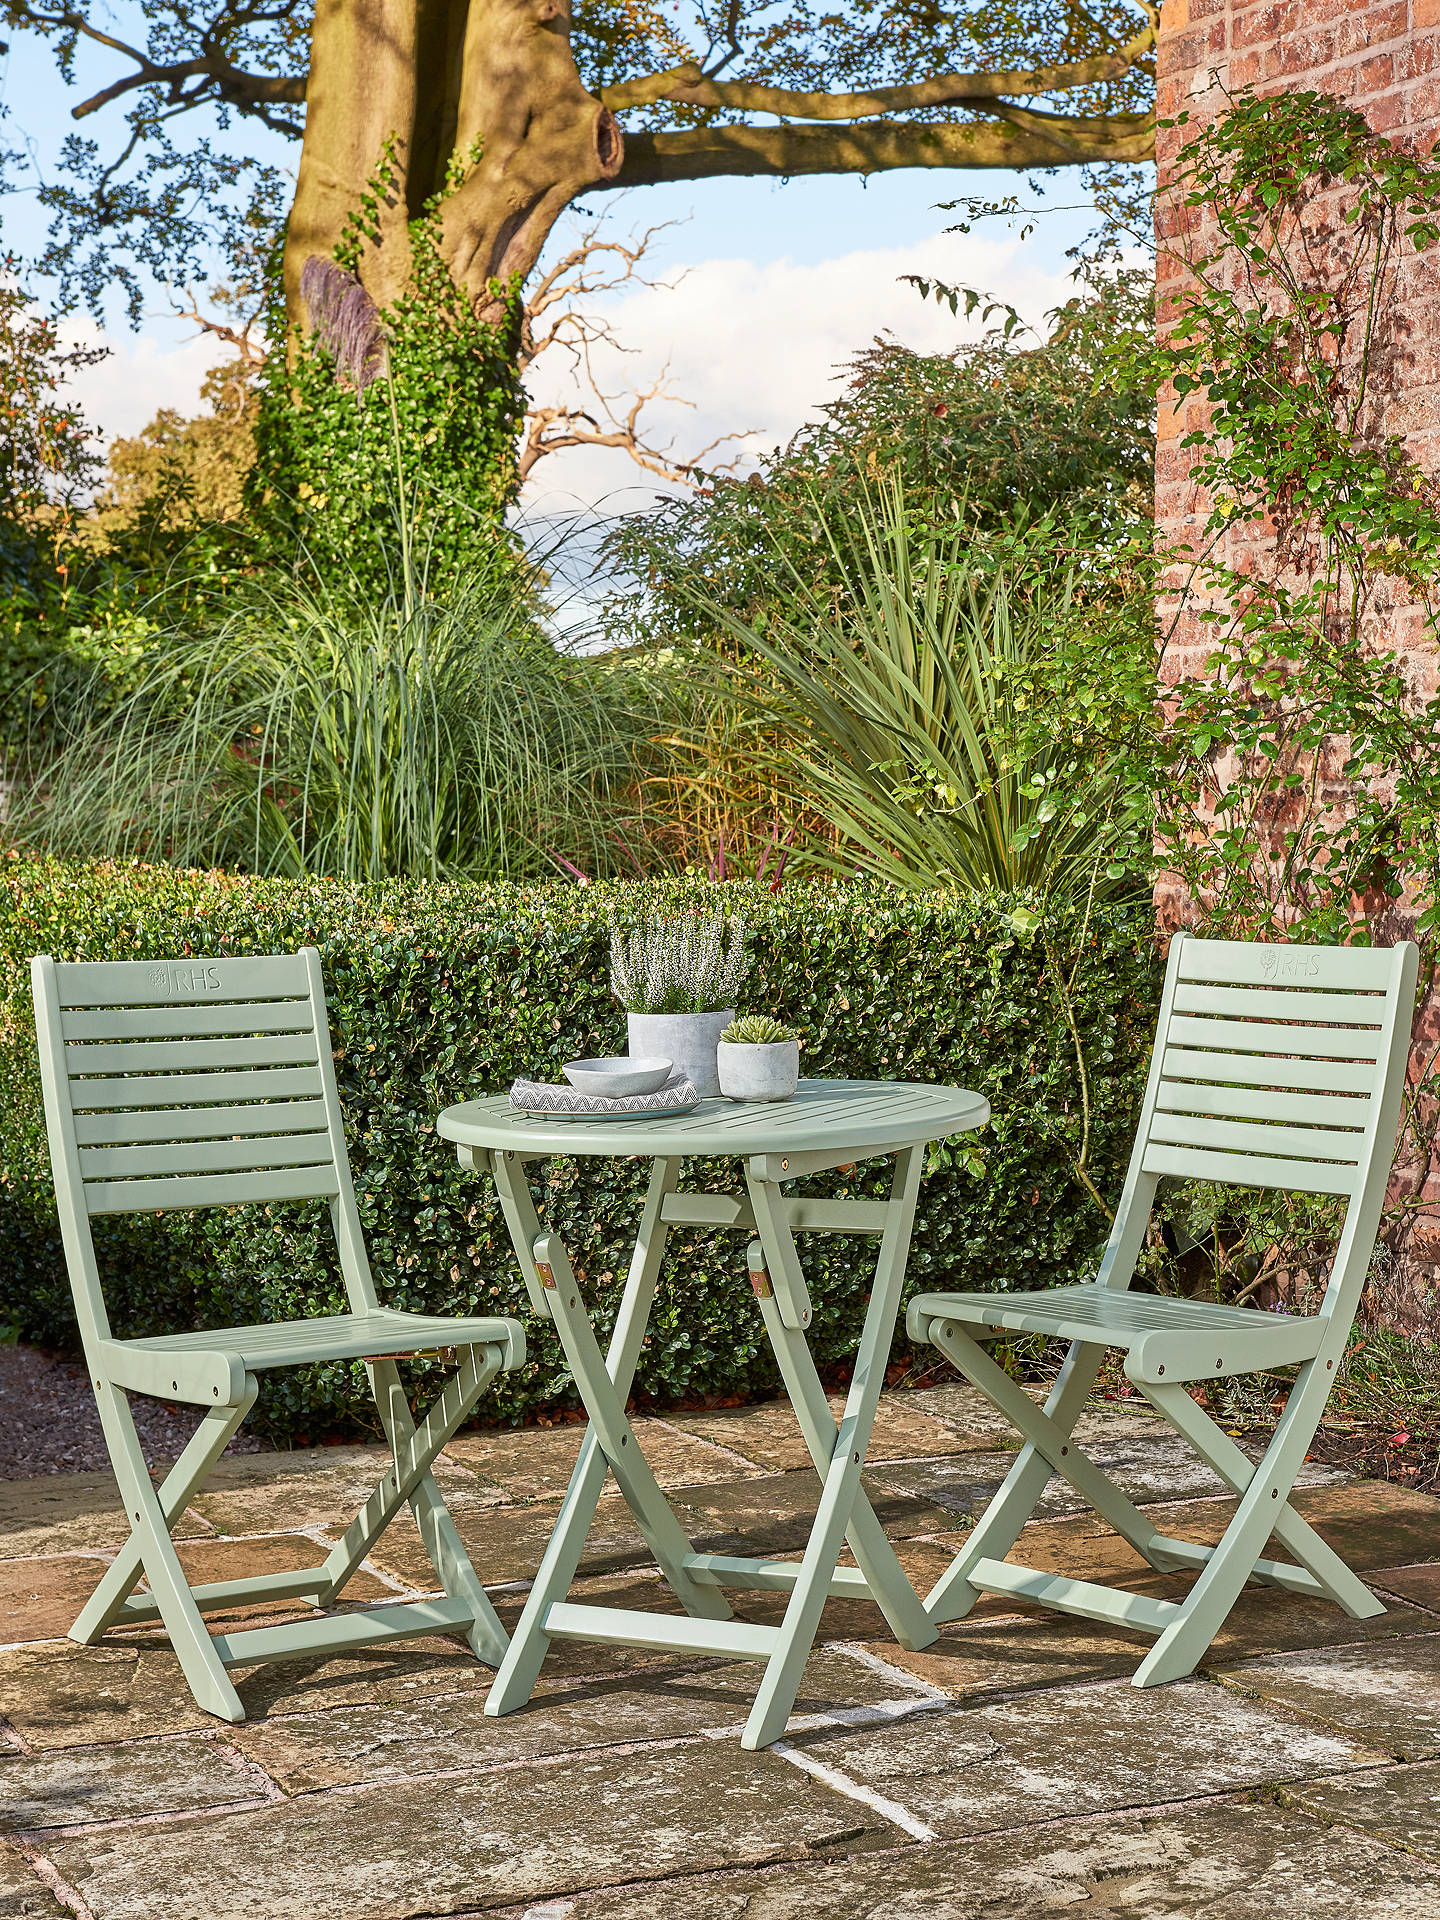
(1275, 1066)
(188, 1083)
(1274, 1063)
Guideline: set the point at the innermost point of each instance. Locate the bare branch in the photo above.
(617, 422)
(237, 337)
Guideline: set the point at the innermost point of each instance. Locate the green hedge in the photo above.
(441, 993)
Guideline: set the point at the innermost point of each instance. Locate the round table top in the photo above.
(868, 1116)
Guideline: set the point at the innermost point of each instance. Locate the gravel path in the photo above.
(48, 1422)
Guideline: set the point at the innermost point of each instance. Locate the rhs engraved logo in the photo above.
(1289, 966)
(187, 979)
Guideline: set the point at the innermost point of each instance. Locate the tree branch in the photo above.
(1017, 138)
(690, 86)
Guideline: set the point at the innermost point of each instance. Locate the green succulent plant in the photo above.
(757, 1030)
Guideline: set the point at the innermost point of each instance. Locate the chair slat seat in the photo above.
(336, 1336)
(1278, 1067)
(211, 1083)
(1239, 1338)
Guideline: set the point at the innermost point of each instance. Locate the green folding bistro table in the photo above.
(829, 1123)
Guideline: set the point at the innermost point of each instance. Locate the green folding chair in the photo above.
(1274, 1066)
(210, 1083)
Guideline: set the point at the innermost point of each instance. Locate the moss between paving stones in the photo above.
(441, 993)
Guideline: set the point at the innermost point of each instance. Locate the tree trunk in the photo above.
(438, 78)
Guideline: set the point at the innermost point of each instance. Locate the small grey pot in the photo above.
(687, 1040)
(759, 1073)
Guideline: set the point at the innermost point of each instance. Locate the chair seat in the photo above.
(1171, 1339)
(338, 1336)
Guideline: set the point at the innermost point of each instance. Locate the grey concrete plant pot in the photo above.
(749, 1072)
(687, 1040)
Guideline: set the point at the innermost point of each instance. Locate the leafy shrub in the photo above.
(441, 994)
(880, 697)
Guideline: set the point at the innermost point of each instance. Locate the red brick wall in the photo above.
(1382, 57)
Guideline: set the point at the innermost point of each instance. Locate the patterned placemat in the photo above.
(565, 1101)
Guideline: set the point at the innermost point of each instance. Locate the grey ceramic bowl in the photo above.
(618, 1075)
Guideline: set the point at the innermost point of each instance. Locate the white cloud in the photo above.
(141, 374)
(758, 347)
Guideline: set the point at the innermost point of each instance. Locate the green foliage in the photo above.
(877, 694)
(432, 438)
(361, 734)
(179, 472)
(982, 438)
(1292, 330)
(47, 450)
(757, 1030)
(441, 993)
(692, 962)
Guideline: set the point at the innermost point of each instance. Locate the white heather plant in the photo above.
(679, 963)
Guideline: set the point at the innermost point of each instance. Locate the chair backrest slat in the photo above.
(206, 1156)
(1253, 963)
(172, 983)
(196, 1089)
(1276, 1003)
(1270, 1037)
(1273, 1064)
(159, 1023)
(1249, 1170)
(214, 1190)
(135, 1126)
(1268, 1070)
(165, 1056)
(1346, 1146)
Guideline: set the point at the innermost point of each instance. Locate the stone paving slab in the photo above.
(505, 1543)
(1147, 1469)
(57, 1694)
(23, 1896)
(776, 1513)
(1385, 1694)
(70, 1513)
(768, 1436)
(1370, 1524)
(349, 1746)
(118, 1783)
(39, 1599)
(535, 1463)
(1236, 1861)
(311, 1487)
(1399, 1804)
(1049, 1646)
(524, 1834)
(1419, 1585)
(958, 1403)
(1066, 1752)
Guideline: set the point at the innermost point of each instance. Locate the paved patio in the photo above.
(1008, 1771)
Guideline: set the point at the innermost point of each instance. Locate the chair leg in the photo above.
(189, 1638)
(414, 1449)
(1204, 1610)
(1237, 1469)
(188, 1474)
(1003, 1521)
